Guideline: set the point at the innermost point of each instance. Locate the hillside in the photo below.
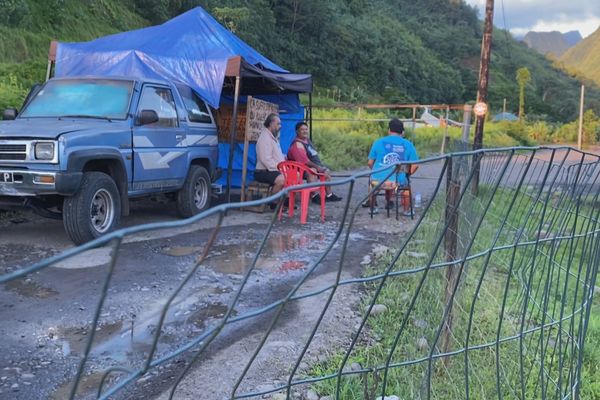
(367, 50)
(585, 57)
(550, 42)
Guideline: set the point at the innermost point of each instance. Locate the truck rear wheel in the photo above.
(94, 210)
(194, 196)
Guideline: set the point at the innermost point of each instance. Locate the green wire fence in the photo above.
(487, 296)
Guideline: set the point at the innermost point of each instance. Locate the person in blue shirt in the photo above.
(387, 151)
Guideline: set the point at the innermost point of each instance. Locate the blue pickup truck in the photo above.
(82, 147)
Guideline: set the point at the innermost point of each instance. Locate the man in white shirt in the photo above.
(268, 154)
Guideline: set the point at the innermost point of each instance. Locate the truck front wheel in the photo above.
(94, 210)
(194, 196)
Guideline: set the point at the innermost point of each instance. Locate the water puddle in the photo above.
(282, 253)
(181, 251)
(291, 266)
(131, 340)
(87, 388)
(74, 339)
(213, 311)
(29, 288)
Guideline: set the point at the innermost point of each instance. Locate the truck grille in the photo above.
(13, 152)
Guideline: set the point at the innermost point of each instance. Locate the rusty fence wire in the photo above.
(487, 295)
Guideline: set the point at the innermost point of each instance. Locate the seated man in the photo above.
(303, 151)
(390, 150)
(269, 154)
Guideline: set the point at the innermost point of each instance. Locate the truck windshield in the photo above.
(85, 98)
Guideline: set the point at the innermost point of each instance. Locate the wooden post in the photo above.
(414, 118)
(580, 130)
(466, 123)
(236, 98)
(51, 58)
(504, 106)
(310, 119)
(446, 140)
(246, 145)
(482, 87)
(450, 248)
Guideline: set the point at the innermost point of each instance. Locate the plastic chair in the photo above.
(293, 173)
(399, 190)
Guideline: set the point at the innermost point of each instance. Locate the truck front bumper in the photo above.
(18, 182)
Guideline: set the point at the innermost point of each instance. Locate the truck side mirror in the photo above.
(146, 117)
(9, 114)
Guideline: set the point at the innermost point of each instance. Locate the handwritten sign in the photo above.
(257, 112)
(224, 117)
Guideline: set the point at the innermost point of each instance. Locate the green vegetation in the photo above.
(523, 78)
(344, 140)
(415, 297)
(345, 145)
(365, 51)
(584, 58)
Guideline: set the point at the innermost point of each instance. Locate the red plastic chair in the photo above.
(293, 173)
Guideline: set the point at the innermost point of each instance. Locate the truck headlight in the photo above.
(44, 151)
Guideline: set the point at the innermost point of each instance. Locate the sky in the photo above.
(522, 16)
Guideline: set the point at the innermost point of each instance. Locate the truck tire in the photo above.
(94, 210)
(194, 196)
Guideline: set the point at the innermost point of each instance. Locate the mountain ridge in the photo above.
(554, 42)
(584, 58)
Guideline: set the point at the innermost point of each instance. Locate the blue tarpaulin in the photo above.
(290, 111)
(192, 48)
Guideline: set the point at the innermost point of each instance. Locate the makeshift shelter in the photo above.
(195, 49)
(505, 116)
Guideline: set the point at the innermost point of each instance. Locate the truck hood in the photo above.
(52, 128)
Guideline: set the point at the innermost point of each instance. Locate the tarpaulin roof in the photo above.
(192, 48)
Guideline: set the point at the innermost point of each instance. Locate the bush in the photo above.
(346, 144)
(12, 93)
(540, 132)
(516, 130)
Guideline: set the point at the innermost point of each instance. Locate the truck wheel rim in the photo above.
(102, 210)
(200, 193)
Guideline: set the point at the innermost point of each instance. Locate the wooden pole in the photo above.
(236, 98)
(310, 119)
(450, 249)
(482, 86)
(246, 145)
(580, 130)
(504, 106)
(466, 123)
(414, 118)
(446, 138)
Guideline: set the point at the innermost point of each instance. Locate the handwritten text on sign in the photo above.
(257, 112)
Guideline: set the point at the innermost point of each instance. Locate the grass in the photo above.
(344, 141)
(514, 291)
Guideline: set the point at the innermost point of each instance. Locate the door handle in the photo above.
(179, 137)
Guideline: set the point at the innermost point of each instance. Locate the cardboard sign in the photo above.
(257, 112)
(224, 116)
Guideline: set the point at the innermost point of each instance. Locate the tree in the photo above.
(523, 78)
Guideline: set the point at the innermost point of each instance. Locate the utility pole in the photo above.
(580, 130)
(482, 86)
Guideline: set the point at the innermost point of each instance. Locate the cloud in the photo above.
(545, 15)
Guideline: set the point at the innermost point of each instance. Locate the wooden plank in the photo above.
(256, 113)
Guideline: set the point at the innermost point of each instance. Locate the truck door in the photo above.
(158, 161)
(202, 130)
